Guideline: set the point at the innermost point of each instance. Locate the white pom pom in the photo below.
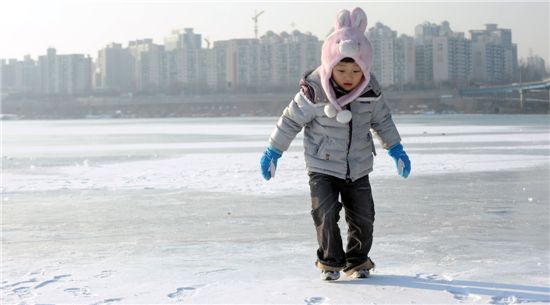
(343, 116)
(330, 111)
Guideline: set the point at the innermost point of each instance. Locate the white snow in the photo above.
(238, 172)
(175, 211)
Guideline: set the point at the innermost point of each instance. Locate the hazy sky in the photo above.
(78, 26)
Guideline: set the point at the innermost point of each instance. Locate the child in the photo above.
(338, 104)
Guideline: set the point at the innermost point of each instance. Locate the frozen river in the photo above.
(162, 211)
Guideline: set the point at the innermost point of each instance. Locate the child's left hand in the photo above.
(401, 159)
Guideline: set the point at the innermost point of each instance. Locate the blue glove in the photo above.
(269, 162)
(402, 161)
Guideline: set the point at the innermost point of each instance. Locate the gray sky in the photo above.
(79, 26)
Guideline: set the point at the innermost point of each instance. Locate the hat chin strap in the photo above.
(330, 110)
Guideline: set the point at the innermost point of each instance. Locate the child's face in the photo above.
(347, 75)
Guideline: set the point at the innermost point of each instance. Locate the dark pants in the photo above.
(359, 209)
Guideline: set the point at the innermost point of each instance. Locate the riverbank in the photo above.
(257, 104)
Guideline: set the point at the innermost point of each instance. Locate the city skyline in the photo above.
(318, 21)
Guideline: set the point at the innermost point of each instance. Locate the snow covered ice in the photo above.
(166, 211)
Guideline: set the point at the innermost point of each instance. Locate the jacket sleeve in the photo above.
(383, 125)
(296, 115)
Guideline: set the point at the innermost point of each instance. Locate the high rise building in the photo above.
(304, 53)
(274, 63)
(148, 65)
(239, 60)
(424, 63)
(183, 60)
(494, 56)
(182, 39)
(536, 63)
(211, 63)
(47, 71)
(394, 58)
(64, 74)
(383, 40)
(423, 38)
(426, 30)
(286, 57)
(451, 59)
(404, 57)
(19, 76)
(74, 74)
(442, 56)
(114, 69)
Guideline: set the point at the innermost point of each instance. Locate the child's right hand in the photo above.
(268, 162)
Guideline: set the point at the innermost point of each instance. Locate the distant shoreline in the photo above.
(247, 105)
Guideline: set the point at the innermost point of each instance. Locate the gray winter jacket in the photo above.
(341, 150)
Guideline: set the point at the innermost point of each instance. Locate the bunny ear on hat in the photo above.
(343, 19)
(359, 19)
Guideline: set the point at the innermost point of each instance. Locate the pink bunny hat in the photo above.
(348, 40)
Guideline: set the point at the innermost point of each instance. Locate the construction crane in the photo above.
(255, 19)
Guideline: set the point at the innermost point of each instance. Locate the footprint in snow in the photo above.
(109, 301)
(315, 300)
(55, 279)
(22, 292)
(33, 280)
(182, 292)
(104, 274)
(424, 276)
(505, 300)
(85, 291)
(459, 294)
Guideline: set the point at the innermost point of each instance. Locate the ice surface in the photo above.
(176, 211)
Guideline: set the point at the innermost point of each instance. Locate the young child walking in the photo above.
(338, 106)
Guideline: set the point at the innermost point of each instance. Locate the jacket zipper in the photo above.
(348, 178)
